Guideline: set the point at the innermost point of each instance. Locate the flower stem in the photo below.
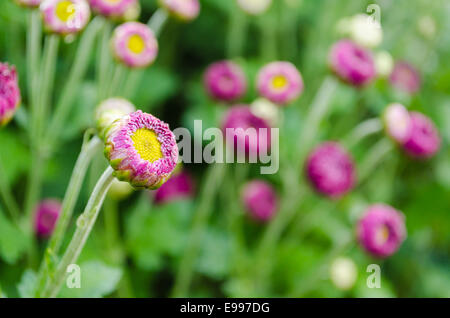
(373, 158)
(85, 223)
(157, 21)
(237, 32)
(104, 61)
(46, 78)
(33, 57)
(317, 112)
(73, 190)
(72, 85)
(363, 130)
(7, 196)
(186, 268)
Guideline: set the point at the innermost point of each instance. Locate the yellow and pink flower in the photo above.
(65, 16)
(280, 82)
(134, 44)
(142, 150)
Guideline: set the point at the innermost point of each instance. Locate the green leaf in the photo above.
(13, 243)
(27, 284)
(97, 280)
(154, 232)
(214, 259)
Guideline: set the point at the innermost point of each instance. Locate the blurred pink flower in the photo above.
(424, 140)
(381, 230)
(405, 77)
(9, 93)
(352, 63)
(260, 200)
(331, 170)
(225, 80)
(179, 186)
(45, 217)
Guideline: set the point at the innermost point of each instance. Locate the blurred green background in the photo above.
(151, 240)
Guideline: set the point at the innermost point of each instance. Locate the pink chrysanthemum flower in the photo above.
(260, 200)
(352, 63)
(331, 170)
(45, 217)
(381, 230)
(142, 150)
(179, 186)
(116, 9)
(397, 122)
(280, 82)
(405, 77)
(247, 133)
(9, 93)
(109, 111)
(65, 16)
(29, 3)
(134, 44)
(254, 7)
(424, 140)
(225, 81)
(184, 10)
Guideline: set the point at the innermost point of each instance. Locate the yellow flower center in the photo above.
(147, 145)
(382, 235)
(279, 81)
(136, 44)
(65, 10)
(112, 1)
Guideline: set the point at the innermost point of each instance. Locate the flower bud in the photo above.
(109, 111)
(225, 81)
(405, 78)
(383, 63)
(9, 93)
(362, 29)
(397, 122)
(343, 273)
(120, 190)
(267, 110)
(45, 217)
(260, 200)
(117, 9)
(179, 186)
(331, 170)
(352, 63)
(381, 230)
(424, 140)
(183, 10)
(247, 133)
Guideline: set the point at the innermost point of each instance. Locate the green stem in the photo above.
(88, 150)
(38, 119)
(7, 196)
(115, 87)
(103, 61)
(317, 112)
(363, 130)
(85, 223)
(72, 85)
(237, 33)
(157, 21)
(33, 58)
(373, 158)
(186, 268)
